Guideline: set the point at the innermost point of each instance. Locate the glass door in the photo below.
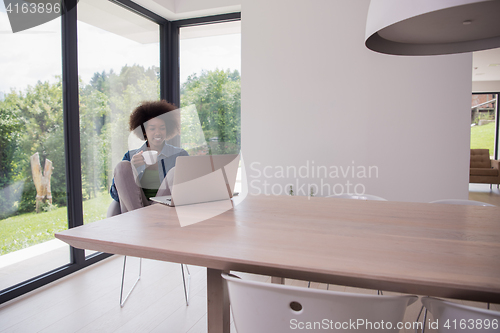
(118, 66)
(484, 112)
(210, 66)
(32, 155)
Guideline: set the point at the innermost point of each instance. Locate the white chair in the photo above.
(462, 202)
(275, 308)
(358, 197)
(455, 202)
(453, 317)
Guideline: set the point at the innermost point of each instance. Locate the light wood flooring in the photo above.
(483, 193)
(88, 301)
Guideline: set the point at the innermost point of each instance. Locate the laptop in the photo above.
(199, 179)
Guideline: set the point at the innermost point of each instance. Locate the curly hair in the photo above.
(148, 110)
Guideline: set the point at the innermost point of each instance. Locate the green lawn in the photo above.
(483, 137)
(21, 231)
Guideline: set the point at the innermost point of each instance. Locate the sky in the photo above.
(25, 57)
(222, 52)
(35, 54)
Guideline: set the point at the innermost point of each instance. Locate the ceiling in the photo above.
(486, 65)
(181, 9)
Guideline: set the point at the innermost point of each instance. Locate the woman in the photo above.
(135, 182)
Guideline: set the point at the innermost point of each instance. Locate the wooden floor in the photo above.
(88, 301)
(483, 193)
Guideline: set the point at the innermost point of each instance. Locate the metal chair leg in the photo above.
(425, 318)
(418, 317)
(122, 301)
(186, 288)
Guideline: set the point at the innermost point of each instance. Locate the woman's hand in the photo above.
(138, 159)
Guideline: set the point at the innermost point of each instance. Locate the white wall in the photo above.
(311, 91)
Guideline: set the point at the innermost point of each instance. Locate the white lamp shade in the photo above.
(431, 27)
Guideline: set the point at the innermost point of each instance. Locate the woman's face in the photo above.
(156, 133)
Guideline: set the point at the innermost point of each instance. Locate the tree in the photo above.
(31, 121)
(105, 106)
(217, 97)
(40, 110)
(94, 143)
(10, 133)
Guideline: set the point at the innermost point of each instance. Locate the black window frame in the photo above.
(169, 90)
(497, 121)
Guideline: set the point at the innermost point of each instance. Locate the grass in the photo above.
(21, 231)
(483, 137)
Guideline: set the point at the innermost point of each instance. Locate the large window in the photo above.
(118, 65)
(86, 78)
(484, 112)
(210, 67)
(32, 156)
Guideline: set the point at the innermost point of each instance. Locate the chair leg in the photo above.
(122, 301)
(423, 322)
(186, 288)
(309, 284)
(418, 317)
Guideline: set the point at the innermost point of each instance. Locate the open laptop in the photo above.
(199, 179)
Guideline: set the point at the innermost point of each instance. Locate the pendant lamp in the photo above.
(432, 27)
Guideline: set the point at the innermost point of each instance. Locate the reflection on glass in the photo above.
(483, 111)
(118, 67)
(32, 158)
(210, 62)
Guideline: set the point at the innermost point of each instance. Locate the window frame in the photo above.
(496, 139)
(169, 90)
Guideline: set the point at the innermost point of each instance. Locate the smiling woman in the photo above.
(155, 122)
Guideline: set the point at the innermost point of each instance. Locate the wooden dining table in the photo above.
(449, 251)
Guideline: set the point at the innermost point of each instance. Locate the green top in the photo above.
(150, 183)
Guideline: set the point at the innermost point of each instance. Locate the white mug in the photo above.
(150, 156)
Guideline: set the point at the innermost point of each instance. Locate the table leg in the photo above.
(217, 302)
